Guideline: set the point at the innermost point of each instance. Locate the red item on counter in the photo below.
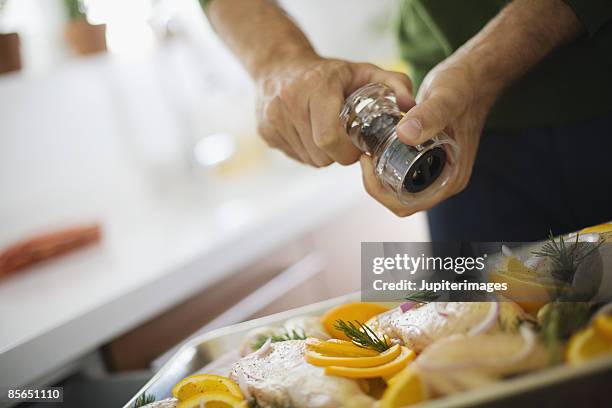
(45, 246)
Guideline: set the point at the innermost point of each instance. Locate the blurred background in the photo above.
(130, 119)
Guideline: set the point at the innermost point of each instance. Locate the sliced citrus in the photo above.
(603, 326)
(524, 290)
(350, 312)
(321, 360)
(400, 362)
(601, 228)
(339, 348)
(406, 388)
(212, 400)
(585, 345)
(200, 383)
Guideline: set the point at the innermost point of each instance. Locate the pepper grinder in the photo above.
(413, 173)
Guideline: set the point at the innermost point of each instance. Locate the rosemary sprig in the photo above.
(292, 335)
(566, 258)
(144, 399)
(362, 335)
(422, 296)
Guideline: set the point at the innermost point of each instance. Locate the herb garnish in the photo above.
(566, 258)
(277, 338)
(422, 296)
(144, 399)
(362, 335)
(558, 321)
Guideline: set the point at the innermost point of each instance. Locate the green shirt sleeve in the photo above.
(593, 14)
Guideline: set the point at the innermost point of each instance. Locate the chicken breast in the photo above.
(461, 362)
(281, 377)
(425, 323)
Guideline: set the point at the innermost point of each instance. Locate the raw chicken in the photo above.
(167, 403)
(423, 324)
(278, 375)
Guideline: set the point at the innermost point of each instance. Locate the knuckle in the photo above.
(325, 140)
(272, 113)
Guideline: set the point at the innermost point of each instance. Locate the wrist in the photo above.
(281, 58)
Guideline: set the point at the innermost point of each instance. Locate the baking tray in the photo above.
(561, 386)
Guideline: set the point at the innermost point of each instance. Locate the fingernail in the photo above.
(410, 129)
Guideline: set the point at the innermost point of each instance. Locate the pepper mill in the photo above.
(413, 173)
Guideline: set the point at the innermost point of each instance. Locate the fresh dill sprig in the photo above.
(277, 338)
(566, 258)
(422, 296)
(362, 335)
(144, 399)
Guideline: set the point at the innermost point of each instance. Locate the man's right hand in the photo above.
(299, 103)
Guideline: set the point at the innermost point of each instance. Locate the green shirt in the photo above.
(572, 84)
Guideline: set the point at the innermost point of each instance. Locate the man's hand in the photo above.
(299, 103)
(457, 95)
(448, 100)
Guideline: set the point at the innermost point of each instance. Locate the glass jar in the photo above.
(413, 173)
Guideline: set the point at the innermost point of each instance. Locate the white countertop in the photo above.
(167, 233)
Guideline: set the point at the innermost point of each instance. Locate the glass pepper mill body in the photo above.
(414, 173)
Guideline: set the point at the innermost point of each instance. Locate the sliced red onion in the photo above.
(264, 349)
(487, 323)
(529, 341)
(404, 307)
(506, 251)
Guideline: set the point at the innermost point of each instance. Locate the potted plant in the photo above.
(84, 38)
(10, 56)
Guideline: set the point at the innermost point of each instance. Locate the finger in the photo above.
(273, 138)
(379, 192)
(428, 118)
(297, 111)
(400, 83)
(328, 133)
(275, 117)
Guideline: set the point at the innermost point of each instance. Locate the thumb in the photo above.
(425, 120)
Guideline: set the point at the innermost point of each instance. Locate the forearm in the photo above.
(259, 33)
(516, 40)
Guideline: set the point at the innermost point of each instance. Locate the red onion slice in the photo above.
(487, 323)
(404, 307)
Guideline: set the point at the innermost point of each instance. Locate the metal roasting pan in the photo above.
(557, 384)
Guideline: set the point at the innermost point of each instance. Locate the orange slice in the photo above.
(350, 312)
(386, 370)
(406, 388)
(213, 400)
(203, 383)
(321, 360)
(339, 348)
(586, 345)
(603, 326)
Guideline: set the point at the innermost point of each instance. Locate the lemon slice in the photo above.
(601, 228)
(586, 345)
(385, 370)
(603, 326)
(213, 400)
(405, 388)
(201, 383)
(321, 360)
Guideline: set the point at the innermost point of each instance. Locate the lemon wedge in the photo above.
(405, 388)
(213, 400)
(586, 345)
(385, 370)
